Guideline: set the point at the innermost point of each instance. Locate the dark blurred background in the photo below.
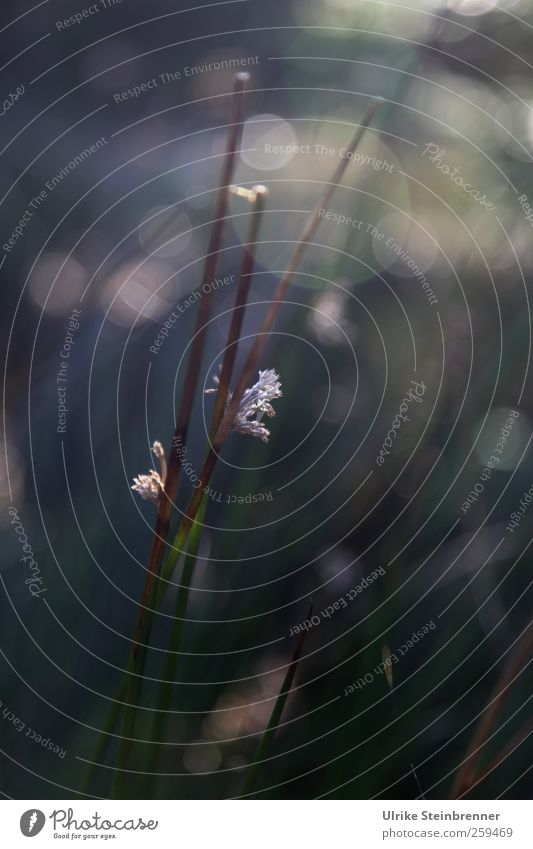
(121, 237)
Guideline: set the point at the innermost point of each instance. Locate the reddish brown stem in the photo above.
(511, 671)
(310, 228)
(507, 750)
(259, 194)
(277, 713)
(197, 348)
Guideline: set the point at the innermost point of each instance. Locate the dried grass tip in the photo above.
(151, 486)
(254, 404)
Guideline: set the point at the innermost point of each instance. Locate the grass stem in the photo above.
(252, 772)
(310, 228)
(136, 662)
(198, 344)
(512, 669)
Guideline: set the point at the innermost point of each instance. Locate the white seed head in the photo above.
(250, 195)
(151, 486)
(158, 450)
(255, 403)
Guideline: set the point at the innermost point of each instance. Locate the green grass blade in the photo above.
(275, 717)
(172, 662)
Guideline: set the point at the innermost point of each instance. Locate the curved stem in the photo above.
(513, 668)
(224, 429)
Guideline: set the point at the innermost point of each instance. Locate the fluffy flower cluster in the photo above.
(255, 403)
(150, 486)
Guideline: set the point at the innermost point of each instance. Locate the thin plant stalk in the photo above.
(252, 772)
(522, 734)
(127, 728)
(171, 666)
(233, 141)
(199, 340)
(224, 429)
(170, 488)
(257, 197)
(308, 233)
(105, 734)
(137, 661)
(514, 667)
(386, 655)
(182, 602)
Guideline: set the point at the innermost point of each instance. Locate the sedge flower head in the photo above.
(255, 403)
(151, 486)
